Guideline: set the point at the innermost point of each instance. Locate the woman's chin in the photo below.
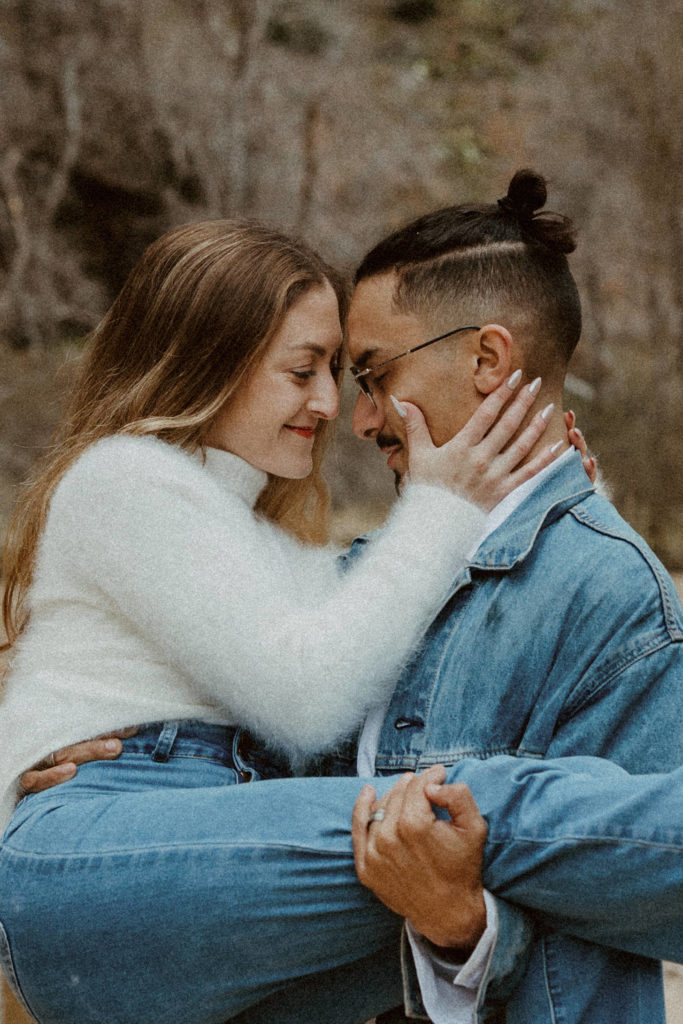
(294, 470)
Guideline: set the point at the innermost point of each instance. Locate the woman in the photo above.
(156, 574)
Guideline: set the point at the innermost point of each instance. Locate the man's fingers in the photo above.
(104, 747)
(406, 811)
(121, 734)
(457, 799)
(416, 810)
(63, 764)
(359, 826)
(391, 805)
(100, 749)
(35, 781)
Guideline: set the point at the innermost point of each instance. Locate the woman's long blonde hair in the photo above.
(192, 320)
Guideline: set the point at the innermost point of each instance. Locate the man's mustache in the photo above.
(387, 440)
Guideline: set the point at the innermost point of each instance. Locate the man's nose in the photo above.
(367, 420)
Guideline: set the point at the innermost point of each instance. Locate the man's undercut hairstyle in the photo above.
(502, 262)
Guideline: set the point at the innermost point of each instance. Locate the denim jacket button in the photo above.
(408, 723)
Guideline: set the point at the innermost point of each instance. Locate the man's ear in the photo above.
(495, 351)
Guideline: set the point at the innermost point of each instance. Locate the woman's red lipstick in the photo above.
(307, 432)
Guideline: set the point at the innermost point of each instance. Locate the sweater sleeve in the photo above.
(215, 590)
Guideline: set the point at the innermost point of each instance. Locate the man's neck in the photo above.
(505, 508)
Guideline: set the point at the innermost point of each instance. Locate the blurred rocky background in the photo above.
(339, 119)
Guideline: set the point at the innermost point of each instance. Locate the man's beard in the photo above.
(388, 441)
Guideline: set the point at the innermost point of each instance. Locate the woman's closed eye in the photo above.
(302, 374)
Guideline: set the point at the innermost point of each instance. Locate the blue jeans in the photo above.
(156, 888)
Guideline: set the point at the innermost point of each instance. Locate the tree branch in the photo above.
(22, 236)
(309, 171)
(73, 130)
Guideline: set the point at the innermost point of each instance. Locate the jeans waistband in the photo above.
(231, 744)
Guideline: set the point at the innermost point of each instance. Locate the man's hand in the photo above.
(63, 764)
(423, 868)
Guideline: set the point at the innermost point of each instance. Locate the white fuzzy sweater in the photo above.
(158, 594)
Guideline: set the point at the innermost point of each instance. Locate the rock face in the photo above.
(119, 119)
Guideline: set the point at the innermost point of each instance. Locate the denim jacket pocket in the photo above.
(7, 964)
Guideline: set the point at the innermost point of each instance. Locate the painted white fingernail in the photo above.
(398, 407)
(111, 745)
(545, 415)
(514, 380)
(556, 447)
(535, 386)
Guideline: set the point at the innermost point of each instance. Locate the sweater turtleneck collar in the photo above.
(234, 472)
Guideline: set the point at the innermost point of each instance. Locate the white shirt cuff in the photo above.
(449, 990)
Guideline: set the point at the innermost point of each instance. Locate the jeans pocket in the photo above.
(8, 967)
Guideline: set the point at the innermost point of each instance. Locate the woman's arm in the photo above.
(220, 596)
(64, 763)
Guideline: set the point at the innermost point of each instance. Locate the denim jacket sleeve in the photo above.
(505, 965)
(592, 850)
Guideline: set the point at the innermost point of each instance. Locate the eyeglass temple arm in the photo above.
(370, 369)
(470, 327)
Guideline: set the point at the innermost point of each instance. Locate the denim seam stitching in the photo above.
(506, 557)
(10, 972)
(450, 757)
(594, 837)
(12, 851)
(672, 625)
(554, 992)
(610, 673)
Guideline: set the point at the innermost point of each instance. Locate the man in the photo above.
(561, 637)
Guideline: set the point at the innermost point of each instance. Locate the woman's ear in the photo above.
(495, 350)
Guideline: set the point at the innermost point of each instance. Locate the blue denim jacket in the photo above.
(562, 636)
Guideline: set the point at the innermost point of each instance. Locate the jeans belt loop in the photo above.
(243, 770)
(167, 738)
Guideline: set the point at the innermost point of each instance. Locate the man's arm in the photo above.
(466, 945)
(414, 862)
(593, 850)
(596, 852)
(63, 764)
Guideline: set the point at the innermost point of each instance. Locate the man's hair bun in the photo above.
(526, 196)
(527, 192)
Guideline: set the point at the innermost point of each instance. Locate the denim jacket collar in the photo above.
(560, 490)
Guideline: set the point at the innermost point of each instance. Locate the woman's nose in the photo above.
(325, 401)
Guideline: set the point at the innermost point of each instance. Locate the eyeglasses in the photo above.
(362, 377)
